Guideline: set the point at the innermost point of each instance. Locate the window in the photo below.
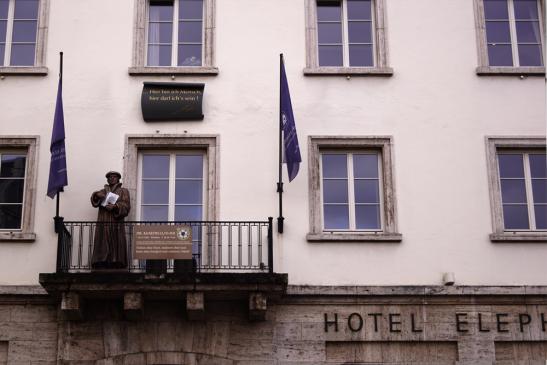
(352, 195)
(510, 36)
(518, 183)
(346, 37)
(171, 186)
(22, 32)
(17, 186)
(174, 37)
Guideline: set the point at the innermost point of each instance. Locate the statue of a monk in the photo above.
(110, 248)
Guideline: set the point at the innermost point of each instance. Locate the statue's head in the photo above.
(113, 177)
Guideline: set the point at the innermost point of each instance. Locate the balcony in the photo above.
(229, 260)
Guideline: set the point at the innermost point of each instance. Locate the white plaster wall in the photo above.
(435, 106)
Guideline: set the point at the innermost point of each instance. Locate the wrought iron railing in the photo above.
(223, 246)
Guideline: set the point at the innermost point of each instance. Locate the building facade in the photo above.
(415, 231)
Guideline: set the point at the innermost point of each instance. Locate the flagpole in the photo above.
(61, 81)
(280, 219)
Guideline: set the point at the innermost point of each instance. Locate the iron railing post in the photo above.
(270, 245)
(59, 229)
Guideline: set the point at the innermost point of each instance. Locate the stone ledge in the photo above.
(416, 290)
(23, 71)
(510, 71)
(115, 284)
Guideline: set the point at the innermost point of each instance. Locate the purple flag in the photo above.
(57, 168)
(290, 139)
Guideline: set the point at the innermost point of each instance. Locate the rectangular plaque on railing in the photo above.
(165, 101)
(162, 242)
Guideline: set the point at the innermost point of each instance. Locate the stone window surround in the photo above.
(39, 68)
(389, 213)
(381, 67)
(31, 144)
(139, 67)
(205, 142)
(483, 68)
(493, 143)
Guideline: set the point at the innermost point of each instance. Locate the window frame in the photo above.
(38, 69)
(140, 45)
(30, 145)
(380, 46)
(384, 145)
(209, 144)
(518, 144)
(484, 68)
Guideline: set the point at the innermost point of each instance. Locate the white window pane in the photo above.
(12, 165)
(360, 32)
(190, 32)
(538, 165)
(359, 9)
(330, 56)
(500, 55)
(22, 55)
(329, 11)
(528, 32)
(530, 55)
(361, 55)
(334, 166)
(366, 191)
(189, 166)
(26, 9)
(160, 33)
(498, 32)
(511, 165)
(160, 11)
(513, 191)
(335, 191)
(365, 166)
(367, 216)
(188, 192)
(541, 216)
(10, 216)
(191, 9)
(159, 55)
(336, 217)
(24, 31)
(4, 5)
(539, 188)
(515, 216)
(3, 27)
(496, 9)
(329, 33)
(155, 166)
(154, 213)
(11, 190)
(526, 9)
(189, 55)
(155, 192)
(188, 213)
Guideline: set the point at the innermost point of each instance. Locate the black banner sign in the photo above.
(163, 101)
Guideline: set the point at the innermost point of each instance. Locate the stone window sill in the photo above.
(349, 71)
(519, 237)
(354, 237)
(510, 71)
(17, 237)
(24, 71)
(141, 70)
